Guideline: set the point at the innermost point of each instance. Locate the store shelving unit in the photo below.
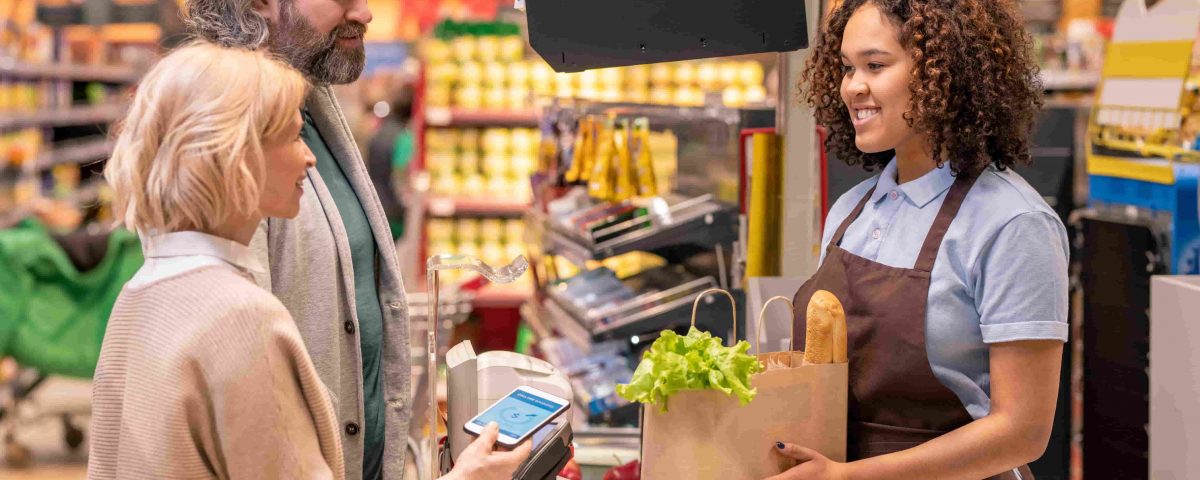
(455, 117)
(62, 71)
(63, 117)
(683, 222)
(472, 207)
(76, 152)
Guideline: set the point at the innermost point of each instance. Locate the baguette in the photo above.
(826, 330)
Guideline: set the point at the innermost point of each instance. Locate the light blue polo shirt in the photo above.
(1000, 276)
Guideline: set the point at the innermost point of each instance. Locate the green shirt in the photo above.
(363, 252)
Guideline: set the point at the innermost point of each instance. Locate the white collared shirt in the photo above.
(171, 254)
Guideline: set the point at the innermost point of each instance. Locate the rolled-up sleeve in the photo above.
(1021, 281)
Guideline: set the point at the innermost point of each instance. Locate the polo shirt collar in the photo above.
(920, 191)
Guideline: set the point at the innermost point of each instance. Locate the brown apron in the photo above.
(896, 402)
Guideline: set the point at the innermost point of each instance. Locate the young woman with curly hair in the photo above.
(951, 268)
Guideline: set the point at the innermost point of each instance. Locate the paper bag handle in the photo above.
(763, 313)
(732, 306)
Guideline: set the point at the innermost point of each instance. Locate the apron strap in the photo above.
(941, 224)
(841, 231)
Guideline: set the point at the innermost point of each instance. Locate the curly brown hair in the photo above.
(975, 88)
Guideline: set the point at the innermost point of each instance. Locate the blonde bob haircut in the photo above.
(189, 154)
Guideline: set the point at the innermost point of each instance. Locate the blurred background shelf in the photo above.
(494, 296)
(453, 117)
(483, 207)
(77, 152)
(63, 71)
(63, 117)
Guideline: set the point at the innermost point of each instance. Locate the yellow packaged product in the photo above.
(496, 141)
(685, 74)
(512, 48)
(523, 140)
(518, 74)
(487, 48)
(466, 230)
(661, 95)
(469, 97)
(707, 76)
(444, 72)
(637, 76)
(514, 231)
(600, 182)
(733, 96)
(495, 74)
(751, 73)
(661, 74)
(468, 162)
(495, 98)
(729, 72)
(438, 95)
(625, 187)
(582, 149)
(521, 166)
(434, 50)
(464, 48)
(756, 94)
(497, 165)
(639, 149)
(470, 73)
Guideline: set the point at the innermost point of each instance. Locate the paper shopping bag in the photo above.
(708, 435)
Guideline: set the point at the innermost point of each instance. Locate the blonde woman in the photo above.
(203, 374)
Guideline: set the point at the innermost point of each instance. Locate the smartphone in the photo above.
(520, 414)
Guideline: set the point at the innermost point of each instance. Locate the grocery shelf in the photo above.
(64, 117)
(647, 313)
(454, 117)
(87, 194)
(76, 153)
(502, 297)
(62, 71)
(687, 222)
(553, 317)
(480, 207)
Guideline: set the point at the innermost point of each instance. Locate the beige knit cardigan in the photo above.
(204, 375)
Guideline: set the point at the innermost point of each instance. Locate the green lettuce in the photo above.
(697, 361)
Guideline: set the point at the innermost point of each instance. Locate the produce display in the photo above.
(489, 69)
(492, 162)
(495, 241)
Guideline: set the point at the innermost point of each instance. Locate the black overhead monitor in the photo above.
(576, 35)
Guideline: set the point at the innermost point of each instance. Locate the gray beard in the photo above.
(321, 60)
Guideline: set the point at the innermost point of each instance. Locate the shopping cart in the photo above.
(52, 318)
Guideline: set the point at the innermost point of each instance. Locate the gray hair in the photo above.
(229, 23)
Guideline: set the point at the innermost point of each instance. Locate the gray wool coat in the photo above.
(311, 272)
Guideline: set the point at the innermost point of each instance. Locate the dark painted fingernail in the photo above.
(779, 445)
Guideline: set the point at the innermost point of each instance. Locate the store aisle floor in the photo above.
(52, 460)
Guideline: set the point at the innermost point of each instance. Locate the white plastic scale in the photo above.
(476, 381)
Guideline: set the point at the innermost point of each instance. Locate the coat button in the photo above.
(349, 326)
(351, 429)
(876, 234)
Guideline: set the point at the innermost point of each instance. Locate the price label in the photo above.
(437, 117)
(441, 207)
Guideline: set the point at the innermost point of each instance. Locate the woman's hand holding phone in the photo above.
(481, 460)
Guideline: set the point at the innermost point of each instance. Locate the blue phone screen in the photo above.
(518, 413)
